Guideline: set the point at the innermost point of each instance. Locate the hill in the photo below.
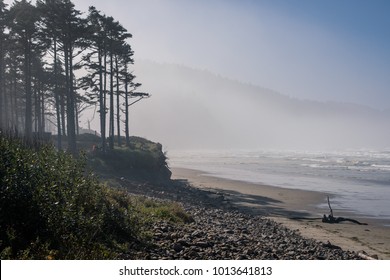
(196, 109)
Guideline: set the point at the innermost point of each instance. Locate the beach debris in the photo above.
(330, 219)
(331, 246)
(365, 256)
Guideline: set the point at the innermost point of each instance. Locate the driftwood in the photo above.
(330, 219)
(331, 246)
(364, 256)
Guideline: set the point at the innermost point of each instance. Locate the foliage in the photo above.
(142, 160)
(55, 63)
(168, 211)
(51, 209)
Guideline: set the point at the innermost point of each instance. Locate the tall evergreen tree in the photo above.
(127, 78)
(14, 97)
(50, 11)
(73, 29)
(3, 39)
(24, 28)
(116, 37)
(95, 62)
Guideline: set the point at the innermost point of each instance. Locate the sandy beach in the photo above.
(297, 210)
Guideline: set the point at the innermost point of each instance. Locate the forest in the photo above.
(55, 62)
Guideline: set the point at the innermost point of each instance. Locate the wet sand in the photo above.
(297, 209)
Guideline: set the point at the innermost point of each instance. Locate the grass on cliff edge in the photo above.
(143, 160)
(51, 209)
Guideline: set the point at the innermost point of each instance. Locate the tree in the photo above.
(117, 36)
(40, 55)
(3, 38)
(14, 87)
(50, 11)
(40, 85)
(128, 78)
(72, 31)
(23, 27)
(95, 62)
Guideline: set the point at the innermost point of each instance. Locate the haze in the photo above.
(323, 50)
(193, 109)
(333, 52)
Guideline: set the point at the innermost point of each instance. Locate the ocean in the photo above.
(359, 181)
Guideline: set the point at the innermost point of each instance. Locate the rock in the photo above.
(196, 233)
(177, 247)
(220, 232)
(202, 244)
(183, 242)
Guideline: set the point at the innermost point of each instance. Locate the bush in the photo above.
(161, 210)
(51, 209)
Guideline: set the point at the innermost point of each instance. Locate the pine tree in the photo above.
(23, 25)
(72, 31)
(50, 12)
(95, 62)
(3, 38)
(117, 36)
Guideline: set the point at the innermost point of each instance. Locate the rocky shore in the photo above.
(222, 231)
(218, 234)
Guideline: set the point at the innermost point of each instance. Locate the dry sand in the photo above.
(283, 204)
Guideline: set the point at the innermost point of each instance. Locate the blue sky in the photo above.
(330, 50)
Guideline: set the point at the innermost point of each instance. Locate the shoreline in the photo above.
(282, 204)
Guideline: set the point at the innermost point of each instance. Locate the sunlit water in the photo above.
(359, 180)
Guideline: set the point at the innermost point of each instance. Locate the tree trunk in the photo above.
(111, 139)
(36, 107)
(2, 82)
(27, 87)
(101, 103)
(105, 98)
(42, 114)
(63, 114)
(76, 114)
(127, 109)
(12, 119)
(70, 111)
(118, 119)
(57, 99)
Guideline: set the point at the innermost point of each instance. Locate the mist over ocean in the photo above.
(247, 127)
(358, 181)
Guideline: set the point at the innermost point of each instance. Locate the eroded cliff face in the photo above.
(143, 160)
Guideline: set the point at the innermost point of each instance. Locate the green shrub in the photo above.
(51, 209)
(162, 210)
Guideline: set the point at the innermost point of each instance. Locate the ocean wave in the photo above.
(381, 167)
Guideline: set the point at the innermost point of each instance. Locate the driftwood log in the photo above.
(330, 219)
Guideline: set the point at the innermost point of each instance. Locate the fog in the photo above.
(197, 109)
(314, 54)
(329, 52)
(319, 50)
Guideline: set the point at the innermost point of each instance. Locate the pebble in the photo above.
(263, 239)
(222, 231)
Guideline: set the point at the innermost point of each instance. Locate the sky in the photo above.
(333, 50)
